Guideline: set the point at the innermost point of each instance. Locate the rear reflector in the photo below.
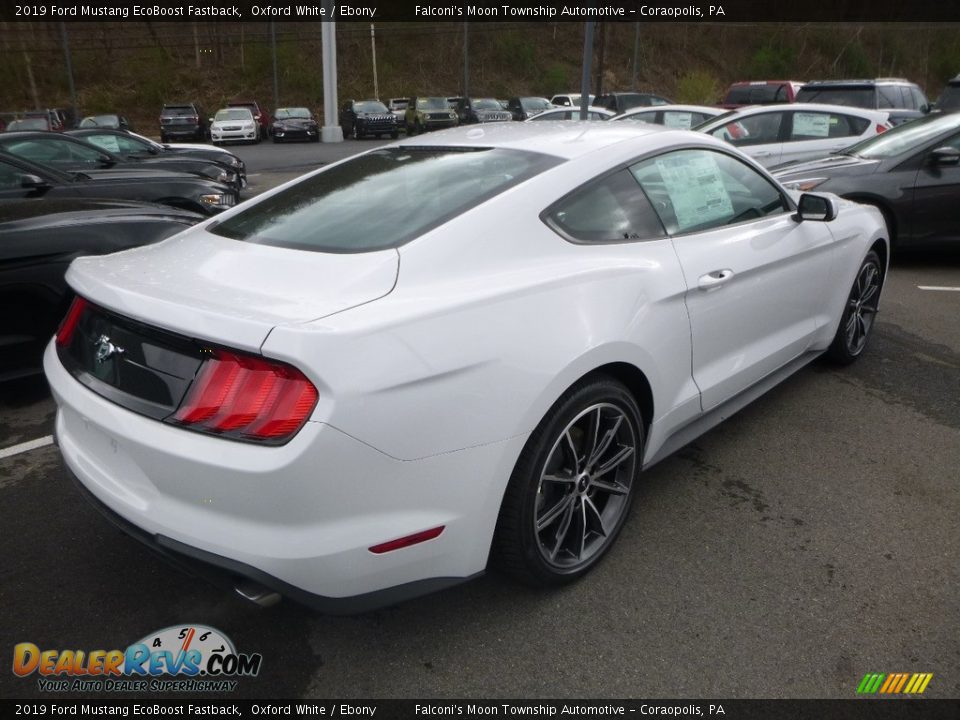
(407, 541)
(247, 397)
(881, 128)
(69, 324)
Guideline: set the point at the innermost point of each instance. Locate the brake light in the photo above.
(247, 397)
(881, 128)
(69, 324)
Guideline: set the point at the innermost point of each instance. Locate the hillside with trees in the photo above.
(135, 67)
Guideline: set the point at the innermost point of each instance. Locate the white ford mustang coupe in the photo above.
(455, 350)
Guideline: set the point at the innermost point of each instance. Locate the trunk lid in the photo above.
(230, 292)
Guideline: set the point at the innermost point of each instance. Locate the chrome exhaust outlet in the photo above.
(256, 593)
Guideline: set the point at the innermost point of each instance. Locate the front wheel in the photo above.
(572, 487)
(859, 313)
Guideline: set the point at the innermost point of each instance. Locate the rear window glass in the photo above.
(178, 111)
(756, 95)
(382, 199)
(851, 97)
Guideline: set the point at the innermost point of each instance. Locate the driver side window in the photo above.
(694, 190)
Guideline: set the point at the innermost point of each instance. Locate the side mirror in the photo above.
(33, 182)
(819, 208)
(945, 155)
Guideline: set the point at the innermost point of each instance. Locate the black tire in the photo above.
(555, 523)
(859, 312)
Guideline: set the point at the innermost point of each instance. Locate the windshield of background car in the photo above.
(370, 106)
(91, 121)
(28, 124)
(851, 97)
(535, 103)
(756, 95)
(382, 199)
(905, 138)
(435, 103)
(950, 98)
(284, 113)
(233, 114)
(485, 104)
(178, 111)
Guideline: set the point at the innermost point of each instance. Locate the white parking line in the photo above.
(939, 287)
(26, 447)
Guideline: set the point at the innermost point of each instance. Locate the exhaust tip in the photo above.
(258, 594)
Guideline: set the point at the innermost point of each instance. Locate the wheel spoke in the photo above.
(557, 479)
(591, 446)
(573, 452)
(625, 452)
(563, 530)
(870, 292)
(608, 437)
(583, 530)
(614, 488)
(545, 520)
(588, 503)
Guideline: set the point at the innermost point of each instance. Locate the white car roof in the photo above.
(567, 139)
(879, 116)
(705, 109)
(570, 108)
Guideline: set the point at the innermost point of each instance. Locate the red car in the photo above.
(760, 92)
(260, 114)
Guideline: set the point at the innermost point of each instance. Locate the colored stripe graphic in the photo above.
(894, 683)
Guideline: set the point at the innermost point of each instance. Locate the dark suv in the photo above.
(367, 117)
(903, 99)
(949, 100)
(183, 122)
(619, 102)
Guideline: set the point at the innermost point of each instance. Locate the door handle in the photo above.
(715, 279)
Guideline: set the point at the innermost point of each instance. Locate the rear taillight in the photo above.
(246, 397)
(69, 324)
(881, 128)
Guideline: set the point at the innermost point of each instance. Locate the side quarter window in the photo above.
(759, 129)
(694, 190)
(607, 210)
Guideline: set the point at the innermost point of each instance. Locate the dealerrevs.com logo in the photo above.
(181, 658)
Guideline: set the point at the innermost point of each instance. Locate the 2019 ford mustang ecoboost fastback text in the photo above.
(369, 382)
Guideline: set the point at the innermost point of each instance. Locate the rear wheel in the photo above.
(572, 486)
(859, 313)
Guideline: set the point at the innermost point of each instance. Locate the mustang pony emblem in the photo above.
(106, 349)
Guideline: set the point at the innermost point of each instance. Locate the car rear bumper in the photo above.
(173, 131)
(299, 518)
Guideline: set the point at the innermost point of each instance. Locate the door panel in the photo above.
(755, 276)
(762, 314)
(935, 199)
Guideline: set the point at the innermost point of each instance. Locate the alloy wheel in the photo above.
(584, 486)
(862, 307)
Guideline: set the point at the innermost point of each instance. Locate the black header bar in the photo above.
(367, 11)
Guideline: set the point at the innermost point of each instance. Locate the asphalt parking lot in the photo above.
(808, 540)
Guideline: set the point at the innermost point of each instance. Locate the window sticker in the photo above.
(811, 124)
(695, 187)
(678, 120)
